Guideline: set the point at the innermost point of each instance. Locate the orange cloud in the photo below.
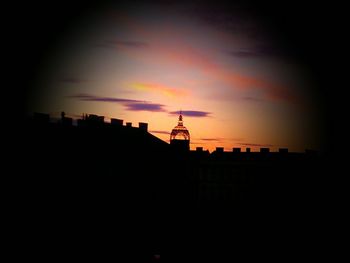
(165, 90)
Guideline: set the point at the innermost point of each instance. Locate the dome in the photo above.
(180, 132)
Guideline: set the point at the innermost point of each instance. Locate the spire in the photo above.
(180, 119)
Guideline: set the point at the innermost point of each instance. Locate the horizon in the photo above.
(253, 148)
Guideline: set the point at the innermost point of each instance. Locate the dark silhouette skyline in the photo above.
(120, 171)
(89, 191)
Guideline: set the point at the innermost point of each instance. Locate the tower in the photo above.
(180, 137)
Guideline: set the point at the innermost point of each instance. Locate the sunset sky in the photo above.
(235, 85)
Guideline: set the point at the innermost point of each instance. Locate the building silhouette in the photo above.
(220, 178)
(180, 136)
(126, 174)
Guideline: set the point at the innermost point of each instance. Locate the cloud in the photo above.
(161, 132)
(137, 105)
(145, 107)
(87, 97)
(131, 105)
(195, 142)
(212, 139)
(217, 139)
(191, 113)
(191, 57)
(255, 144)
(166, 90)
(74, 80)
(124, 44)
(270, 91)
(230, 17)
(257, 51)
(281, 94)
(252, 99)
(128, 44)
(233, 19)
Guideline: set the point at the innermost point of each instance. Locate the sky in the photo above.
(234, 83)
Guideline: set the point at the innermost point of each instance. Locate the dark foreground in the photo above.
(103, 190)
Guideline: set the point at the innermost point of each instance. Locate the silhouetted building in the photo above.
(110, 168)
(143, 126)
(92, 118)
(264, 150)
(41, 118)
(180, 137)
(236, 150)
(65, 121)
(116, 122)
(199, 149)
(219, 149)
(109, 165)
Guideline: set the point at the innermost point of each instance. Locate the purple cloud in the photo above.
(145, 107)
(137, 105)
(87, 97)
(191, 113)
(132, 105)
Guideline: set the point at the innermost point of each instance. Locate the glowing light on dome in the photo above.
(180, 132)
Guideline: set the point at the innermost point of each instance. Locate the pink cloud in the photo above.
(190, 57)
(186, 55)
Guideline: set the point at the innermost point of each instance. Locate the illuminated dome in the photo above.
(180, 132)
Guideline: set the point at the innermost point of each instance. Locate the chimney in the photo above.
(116, 122)
(128, 124)
(199, 149)
(143, 126)
(95, 118)
(247, 149)
(220, 149)
(236, 150)
(264, 150)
